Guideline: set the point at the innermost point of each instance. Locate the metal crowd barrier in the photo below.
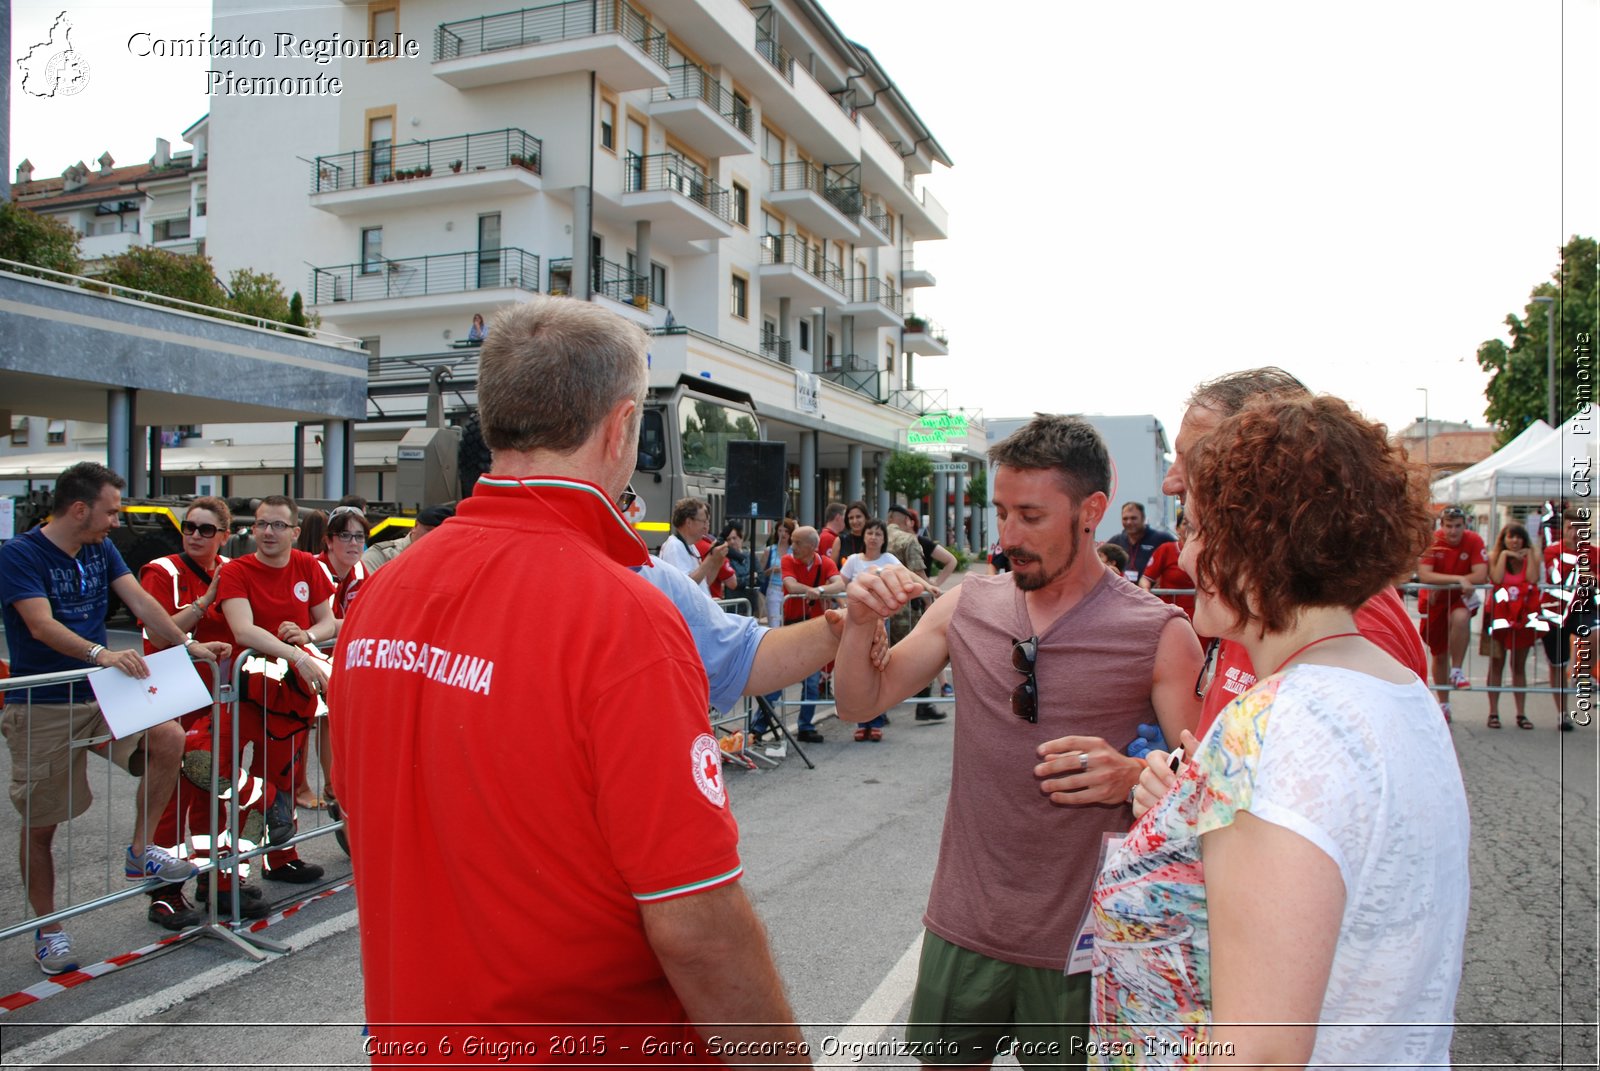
(87, 859)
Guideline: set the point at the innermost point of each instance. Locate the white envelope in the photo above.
(131, 705)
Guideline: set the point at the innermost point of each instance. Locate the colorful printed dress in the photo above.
(1365, 771)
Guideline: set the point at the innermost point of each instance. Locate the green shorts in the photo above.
(968, 1009)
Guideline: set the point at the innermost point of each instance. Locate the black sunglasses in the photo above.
(206, 531)
(1025, 696)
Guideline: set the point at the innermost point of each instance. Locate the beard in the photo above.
(1035, 581)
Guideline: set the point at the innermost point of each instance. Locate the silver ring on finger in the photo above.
(1083, 762)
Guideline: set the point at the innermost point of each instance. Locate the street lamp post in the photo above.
(1550, 358)
(1427, 435)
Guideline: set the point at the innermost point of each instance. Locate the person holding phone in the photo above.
(1296, 895)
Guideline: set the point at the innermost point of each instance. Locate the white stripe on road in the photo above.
(89, 1031)
(878, 1010)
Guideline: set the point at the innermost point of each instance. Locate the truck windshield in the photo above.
(706, 428)
(652, 442)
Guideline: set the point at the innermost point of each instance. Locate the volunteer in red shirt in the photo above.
(1569, 584)
(1165, 572)
(277, 602)
(1228, 673)
(184, 585)
(558, 784)
(344, 542)
(810, 574)
(1512, 614)
(1460, 558)
(832, 529)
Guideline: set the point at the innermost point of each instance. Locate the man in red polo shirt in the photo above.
(1457, 557)
(1228, 672)
(277, 601)
(562, 781)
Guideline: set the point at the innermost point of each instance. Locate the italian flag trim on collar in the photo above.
(557, 483)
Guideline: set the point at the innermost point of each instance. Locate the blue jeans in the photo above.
(810, 688)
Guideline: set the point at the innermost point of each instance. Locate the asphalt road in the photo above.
(839, 860)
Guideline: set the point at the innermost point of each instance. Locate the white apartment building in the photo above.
(744, 180)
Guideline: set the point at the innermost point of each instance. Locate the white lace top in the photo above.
(1364, 770)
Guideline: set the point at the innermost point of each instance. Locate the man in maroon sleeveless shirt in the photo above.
(1382, 619)
(1059, 663)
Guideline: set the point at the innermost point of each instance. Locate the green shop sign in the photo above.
(937, 433)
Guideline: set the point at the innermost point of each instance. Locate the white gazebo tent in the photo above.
(1528, 472)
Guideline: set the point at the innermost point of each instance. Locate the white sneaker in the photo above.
(1458, 679)
(1445, 707)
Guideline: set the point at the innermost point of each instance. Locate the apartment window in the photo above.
(608, 124)
(888, 357)
(739, 303)
(200, 208)
(741, 111)
(371, 250)
(833, 345)
(658, 283)
(805, 335)
(771, 146)
(169, 230)
(383, 21)
(380, 147)
(56, 433)
(19, 431)
(741, 205)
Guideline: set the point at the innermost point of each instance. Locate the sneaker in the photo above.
(808, 736)
(1567, 724)
(171, 910)
(247, 891)
(53, 950)
(156, 863)
(280, 819)
(296, 871)
(947, 691)
(1445, 708)
(1458, 679)
(927, 712)
(252, 905)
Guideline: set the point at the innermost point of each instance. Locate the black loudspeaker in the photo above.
(756, 477)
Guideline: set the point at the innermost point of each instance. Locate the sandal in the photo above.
(1494, 721)
(1523, 722)
(861, 734)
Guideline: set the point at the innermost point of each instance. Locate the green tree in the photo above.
(42, 241)
(1518, 378)
(258, 296)
(909, 475)
(186, 276)
(978, 489)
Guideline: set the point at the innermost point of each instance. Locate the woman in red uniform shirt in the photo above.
(1513, 601)
(343, 542)
(1163, 571)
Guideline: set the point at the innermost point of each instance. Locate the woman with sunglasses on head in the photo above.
(1299, 894)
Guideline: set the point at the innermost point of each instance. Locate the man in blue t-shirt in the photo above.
(1138, 540)
(55, 583)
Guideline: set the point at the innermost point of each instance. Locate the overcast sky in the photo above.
(1147, 194)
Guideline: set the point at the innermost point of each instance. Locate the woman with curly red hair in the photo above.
(1307, 868)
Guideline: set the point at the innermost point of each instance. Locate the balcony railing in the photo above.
(921, 325)
(877, 290)
(877, 213)
(776, 348)
(692, 82)
(448, 273)
(461, 154)
(791, 249)
(845, 99)
(669, 171)
(838, 184)
(767, 44)
(856, 373)
(552, 22)
(916, 400)
(607, 277)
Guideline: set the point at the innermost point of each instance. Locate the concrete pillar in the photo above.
(334, 448)
(959, 536)
(297, 487)
(936, 526)
(879, 461)
(641, 251)
(119, 432)
(808, 478)
(153, 460)
(138, 466)
(582, 270)
(853, 491)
